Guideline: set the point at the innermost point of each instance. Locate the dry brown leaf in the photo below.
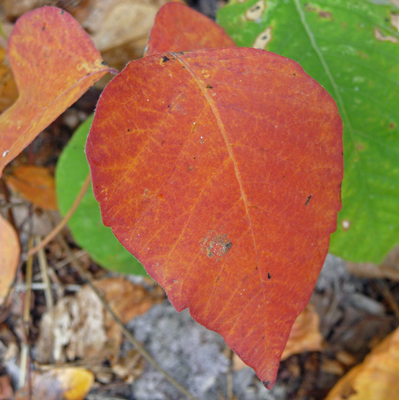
(79, 327)
(305, 334)
(120, 28)
(8, 87)
(130, 367)
(117, 22)
(9, 256)
(377, 378)
(6, 391)
(34, 184)
(59, 384)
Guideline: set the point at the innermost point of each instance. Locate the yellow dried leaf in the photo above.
(34, 184)
(377, 378)
(76, 382)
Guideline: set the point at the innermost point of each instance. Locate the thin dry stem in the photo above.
(45, 277)
(64, 221)
(25, 357)
(389, 297)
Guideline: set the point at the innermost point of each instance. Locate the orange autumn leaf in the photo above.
(376, 378)
(34, 184)
(220, 171)
(305, 334)
(54, 62)
(178, 28)
(9, 256)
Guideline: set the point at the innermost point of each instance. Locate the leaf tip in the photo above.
(268, 385)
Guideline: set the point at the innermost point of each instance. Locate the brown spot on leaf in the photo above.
(255, 12)
(321, 13)
(395, 21)
(392, 125)
(263, 39)
(215, 244)
(379, 36)
(325, 14)
(361, 54)
(359, 146)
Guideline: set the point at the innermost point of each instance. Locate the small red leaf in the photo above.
(54, 62)
(220, 171)
(179, 28)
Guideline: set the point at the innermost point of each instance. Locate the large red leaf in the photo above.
(54, 62)
(220, 171)
(179, 28)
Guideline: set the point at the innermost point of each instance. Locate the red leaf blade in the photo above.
(180, 28)
(54, 62)
(220, 171)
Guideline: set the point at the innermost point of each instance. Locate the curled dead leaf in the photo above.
(377, 378)
(79, 327)
(115, 23)
(34, 184)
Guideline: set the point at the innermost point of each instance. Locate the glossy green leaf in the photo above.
(352, 49)
(86, 224)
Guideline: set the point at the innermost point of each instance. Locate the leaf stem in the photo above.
(64, 221)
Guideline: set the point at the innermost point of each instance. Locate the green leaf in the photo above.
(86, 224)
(351, 47)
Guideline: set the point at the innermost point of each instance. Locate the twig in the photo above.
(64, 221)
(42, 286)
(229, 376)
(389, 297)
(67, 260)
(25, 374)
(45, 278)
(76, 263)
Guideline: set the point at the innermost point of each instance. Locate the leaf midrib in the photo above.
(231, 154)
